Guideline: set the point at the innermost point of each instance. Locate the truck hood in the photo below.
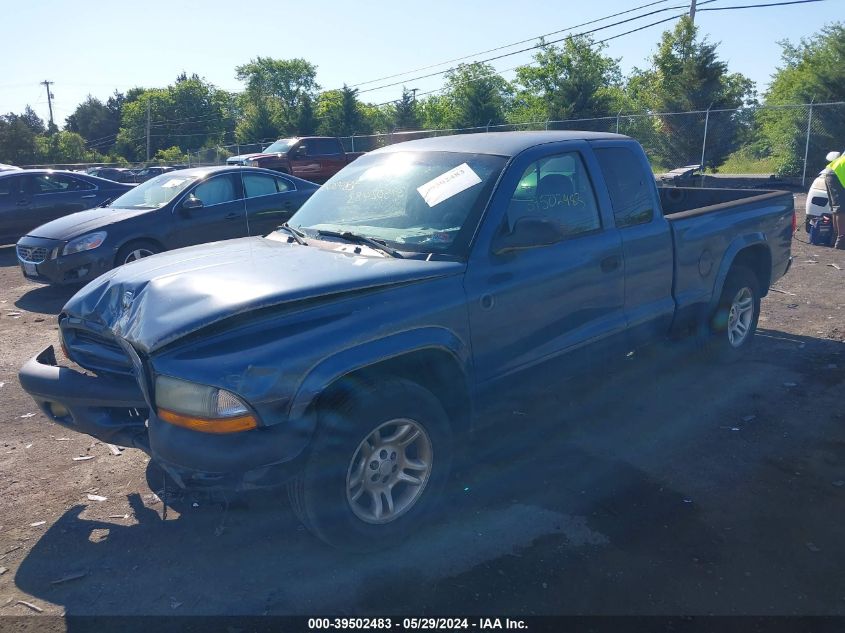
(157, 300)
(75, 224)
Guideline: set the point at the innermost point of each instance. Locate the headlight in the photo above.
(84, 243)
(251, 162)
(201, 407)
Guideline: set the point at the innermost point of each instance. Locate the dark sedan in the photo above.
(176, 209)
(29, 198)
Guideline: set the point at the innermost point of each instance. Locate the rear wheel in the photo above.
(136, 250)
(735, 321)
(377, 467)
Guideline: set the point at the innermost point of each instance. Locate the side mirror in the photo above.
(191, 202)
(529, 232)
(832, 156)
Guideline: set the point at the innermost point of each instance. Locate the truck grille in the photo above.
(32, 254)
(96, 352)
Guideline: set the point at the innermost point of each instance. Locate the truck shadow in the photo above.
(614, 464)
(46, 299)
(8, 256)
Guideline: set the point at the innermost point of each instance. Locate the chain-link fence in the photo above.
(787, 141)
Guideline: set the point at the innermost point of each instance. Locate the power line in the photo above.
(536, 46)
(498, 48)
(757, 6)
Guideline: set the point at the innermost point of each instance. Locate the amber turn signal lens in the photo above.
(209, 425)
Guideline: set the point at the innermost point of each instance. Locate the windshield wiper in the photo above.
(296, 235)
(378, 245)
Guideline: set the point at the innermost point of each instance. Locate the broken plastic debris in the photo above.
(28, 415)
(30, 605)
(63, 439)
(195, 505)
(3, 570)
(37, 523)
(687, 500)
(83, 458)
(834, 266)
(28, 446)
(96, 497)
(118, 516)
(69, 577)
(734, 428)
(813, 547)
(114, 449)
(2, 383)
(792, 305)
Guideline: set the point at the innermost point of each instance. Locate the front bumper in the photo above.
(114, 410)
(76, 268)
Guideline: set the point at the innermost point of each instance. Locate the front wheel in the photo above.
(377, 467)
(136, 250)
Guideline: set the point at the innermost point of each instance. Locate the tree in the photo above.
(306, 122)
(188, 114)
(170, 155)
(258, 120)
(405, 116)
(63, 148)
(18, 133)
(286, 83)
(574, 81)
(686, 75)
(97, 122)
(477, 94)
(812, 70)
(340, 114)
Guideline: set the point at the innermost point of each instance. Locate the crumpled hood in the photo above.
(76, 224)
(157, 300)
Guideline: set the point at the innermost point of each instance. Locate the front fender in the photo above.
(368, 354)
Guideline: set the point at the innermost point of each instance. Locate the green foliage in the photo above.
(63, 148)
(97, 122)
(283, 86)
(306, 121)
(340, 114)
(477, 95)
(171, 155)
(258, 119)
(686, 74)
(18, 133)
(813, 70)
(405, 115)
(574, 81)
(189, 113)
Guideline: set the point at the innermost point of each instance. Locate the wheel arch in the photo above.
(437, 360)
(751, 251)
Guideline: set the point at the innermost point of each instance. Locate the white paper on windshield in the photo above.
(174, 182)
(449, 184)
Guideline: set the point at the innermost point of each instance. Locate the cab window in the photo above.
(556, 188)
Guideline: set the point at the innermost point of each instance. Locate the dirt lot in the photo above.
(672, 486)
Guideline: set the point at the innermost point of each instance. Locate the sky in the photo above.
(87, 47)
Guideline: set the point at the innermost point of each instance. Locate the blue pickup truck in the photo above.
(348, 354)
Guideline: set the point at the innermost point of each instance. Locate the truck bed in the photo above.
(709, 226)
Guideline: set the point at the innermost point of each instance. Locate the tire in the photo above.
(347, 468)
(735, 321)
(135, 250)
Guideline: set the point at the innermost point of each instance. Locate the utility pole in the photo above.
(692, 11)
(148, 129)
(414, 90)
(47, 84)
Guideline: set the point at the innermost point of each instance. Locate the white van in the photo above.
(817, 202)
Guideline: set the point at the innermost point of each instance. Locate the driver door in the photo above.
(222, 216)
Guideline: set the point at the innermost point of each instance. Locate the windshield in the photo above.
(415, 201)
(154, 193)
(281, 146)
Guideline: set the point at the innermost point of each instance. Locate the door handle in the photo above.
(609, 264)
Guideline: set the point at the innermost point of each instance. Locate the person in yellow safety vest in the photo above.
(834, 180)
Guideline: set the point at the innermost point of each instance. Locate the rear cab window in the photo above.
(631, 189)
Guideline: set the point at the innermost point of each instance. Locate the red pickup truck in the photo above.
(314, 158)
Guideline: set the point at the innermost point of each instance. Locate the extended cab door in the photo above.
(304, 163)
(221, 217)
(545, 299)
(270, 201)
(646, 239)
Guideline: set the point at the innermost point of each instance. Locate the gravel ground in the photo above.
(671, 485)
